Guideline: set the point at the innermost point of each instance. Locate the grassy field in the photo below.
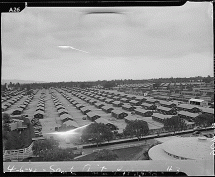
(123, 154)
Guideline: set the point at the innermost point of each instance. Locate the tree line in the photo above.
(106, 83)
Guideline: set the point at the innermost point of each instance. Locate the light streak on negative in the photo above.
(66, 47)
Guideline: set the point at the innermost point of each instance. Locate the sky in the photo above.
(134, 43)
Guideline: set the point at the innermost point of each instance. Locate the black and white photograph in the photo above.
(115, 85)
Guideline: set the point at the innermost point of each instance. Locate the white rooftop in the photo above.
(187, 147)
(197, 100)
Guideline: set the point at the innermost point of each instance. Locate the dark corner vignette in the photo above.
(16, 7)
(20, 6)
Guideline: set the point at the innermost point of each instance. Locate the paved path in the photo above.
(120, 146)
(141, 142)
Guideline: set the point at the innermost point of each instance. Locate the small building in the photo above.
(187, 115)
(85, 110)
(96, 96)
(160, 117)
(123, 95)
(189, 108)
(162, 97)
(99, 105)
(57, 103)
(68, 125)
(135, 103)
(109, 101)
(131, 118)
(11, 101)
(22, 106)
(148, 106)
(124, 100)
(166, 110)
(117, 103)
(87, 100)
(116, 98)
(110, 96)
(118, 114)
(79, 106)
(107, 123)
(75, 103)
(21, 125)
(4, 108)
(102, 98)
(92, 116)
(62, 111)
(92, 95)
(143, 112)
(131, 97)
(104, 94)
(128, 107)
(71, 100)
(41, 104)
(117, 94)
(207, 110)
(199, 102)
(17, 111)
(92, 101)
(40, 108)
(151, 101)
(107, 108)
(65, 117)
(26, 102)
(141, 99)
(60, 106)
(39, 114)
(168, 104)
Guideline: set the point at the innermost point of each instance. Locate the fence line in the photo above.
(18, 154)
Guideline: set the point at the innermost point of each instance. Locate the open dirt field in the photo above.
(51, 117)
(120, 123)
(73, 111)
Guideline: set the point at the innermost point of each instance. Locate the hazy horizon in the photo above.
(138, 43)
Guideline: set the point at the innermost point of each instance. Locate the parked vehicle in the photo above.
(197, 128)
(210, 135)
(196, 133)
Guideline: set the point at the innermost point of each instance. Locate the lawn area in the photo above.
(123, 154)
(128, 153)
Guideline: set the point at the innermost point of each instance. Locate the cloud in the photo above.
(118, 45)
(172, 32)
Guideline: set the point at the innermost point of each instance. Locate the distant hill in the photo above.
(3, 81)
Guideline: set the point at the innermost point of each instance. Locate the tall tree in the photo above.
(97, 133)
(5, 87)
(136, 128)
(5, 129)
(204, 120)
(207, 79)
(109, 84)
(57, 154)
(105, 155)
(43, 145)
(6, 118)
(174, 123)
